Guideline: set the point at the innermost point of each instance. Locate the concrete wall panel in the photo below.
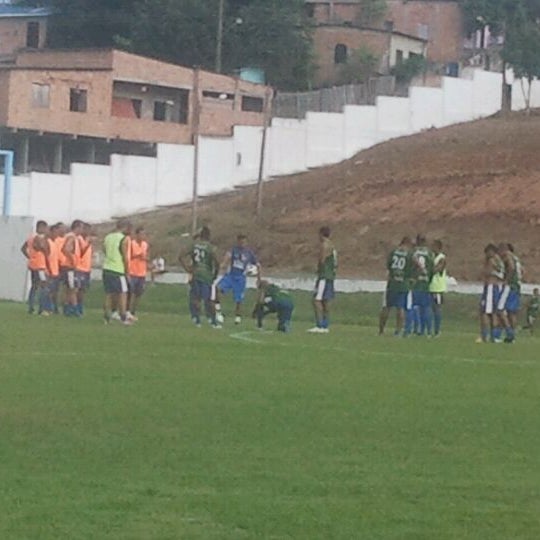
(325, 138)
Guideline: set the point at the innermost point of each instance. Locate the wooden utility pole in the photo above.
(266, 124)
(219, 36)
(196, 126)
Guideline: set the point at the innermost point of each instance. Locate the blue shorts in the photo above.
(84, 280)
(324, 290)
(114, 283)
(70, 278)
(54, 284)
(490, 299)
(137, 285)
(235, 283)
(422, 299)
(200, 290)
(396, 299)
(509, 300)
(38, 277)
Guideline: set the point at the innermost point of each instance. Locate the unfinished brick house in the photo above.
(61, 106)
(342, 27)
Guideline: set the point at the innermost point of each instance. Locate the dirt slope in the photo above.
(467, 185)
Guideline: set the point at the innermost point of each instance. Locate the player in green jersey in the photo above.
(324, 288)
(422, 272)
(115, 268)
(272, 299)
(396, 295)
(200, 260)
(533, 309)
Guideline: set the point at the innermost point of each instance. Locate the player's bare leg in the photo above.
(383, 319)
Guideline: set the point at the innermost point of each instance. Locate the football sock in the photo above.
(485, 334)
(409, 321)
(425, 320)
(325, 323)
(496, 333)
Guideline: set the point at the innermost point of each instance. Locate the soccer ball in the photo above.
(252, 270)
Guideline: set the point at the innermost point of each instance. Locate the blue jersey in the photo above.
(241, 258)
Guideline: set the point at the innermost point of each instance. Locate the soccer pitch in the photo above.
(164, 431)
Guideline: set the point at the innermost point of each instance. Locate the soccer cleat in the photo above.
(510, 340)
(237, 319)
(220, 318)
(115, 316)
(480, 340)
(127, 322)
(131, 317)
(216, 326)
(317, 330)
(497, 340)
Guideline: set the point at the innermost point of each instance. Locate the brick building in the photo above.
(438, 24)
(21, 27)
(60, 106)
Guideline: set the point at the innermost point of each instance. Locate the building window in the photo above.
(310, 10)
(399, 57)
(32, 35)
(40, 95)
(423, 31)
(78, 100)
(160, 111)
(252, 104)
(340, 54)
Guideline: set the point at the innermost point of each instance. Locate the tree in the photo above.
(522, 51)
(371, 12)
(360, 66)
(407, 70)
(86, 23)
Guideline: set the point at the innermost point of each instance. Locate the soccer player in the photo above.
(115, 266)
(272, 299)
(36, 250)
(200, 260)
(59, 240)
(397, 287)
(493, 275)
(533, 308)
(72, 254)
(53, 265)
(421, 272)
(510, 301)
(84, 265)
(138, 268)
(438, 285)
(324, 287)
(235, 264)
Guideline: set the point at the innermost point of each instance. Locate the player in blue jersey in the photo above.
(237, 262)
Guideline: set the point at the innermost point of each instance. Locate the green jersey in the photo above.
(534, 307)
(114, 260)
(327, 269)
(515, 277)
(399, 270)
(274, 295)
(203, 258)
(422, 268)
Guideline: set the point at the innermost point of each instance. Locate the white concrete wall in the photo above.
(174, 182)
(393, 117)
(134, 183)
(360, 128)
(217, 162)
(247, 154)
(325, 138)
(520, 90)
(13, 233)
(427, 108)
(287, 146)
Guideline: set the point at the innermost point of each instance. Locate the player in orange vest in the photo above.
(72, 253)
(84, 266)
(138, 268)
(36, 249)
(53, 265)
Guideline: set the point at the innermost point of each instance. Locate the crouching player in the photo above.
(272, 299)
(533, 308)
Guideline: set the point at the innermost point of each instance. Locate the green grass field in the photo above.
(163, 431)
